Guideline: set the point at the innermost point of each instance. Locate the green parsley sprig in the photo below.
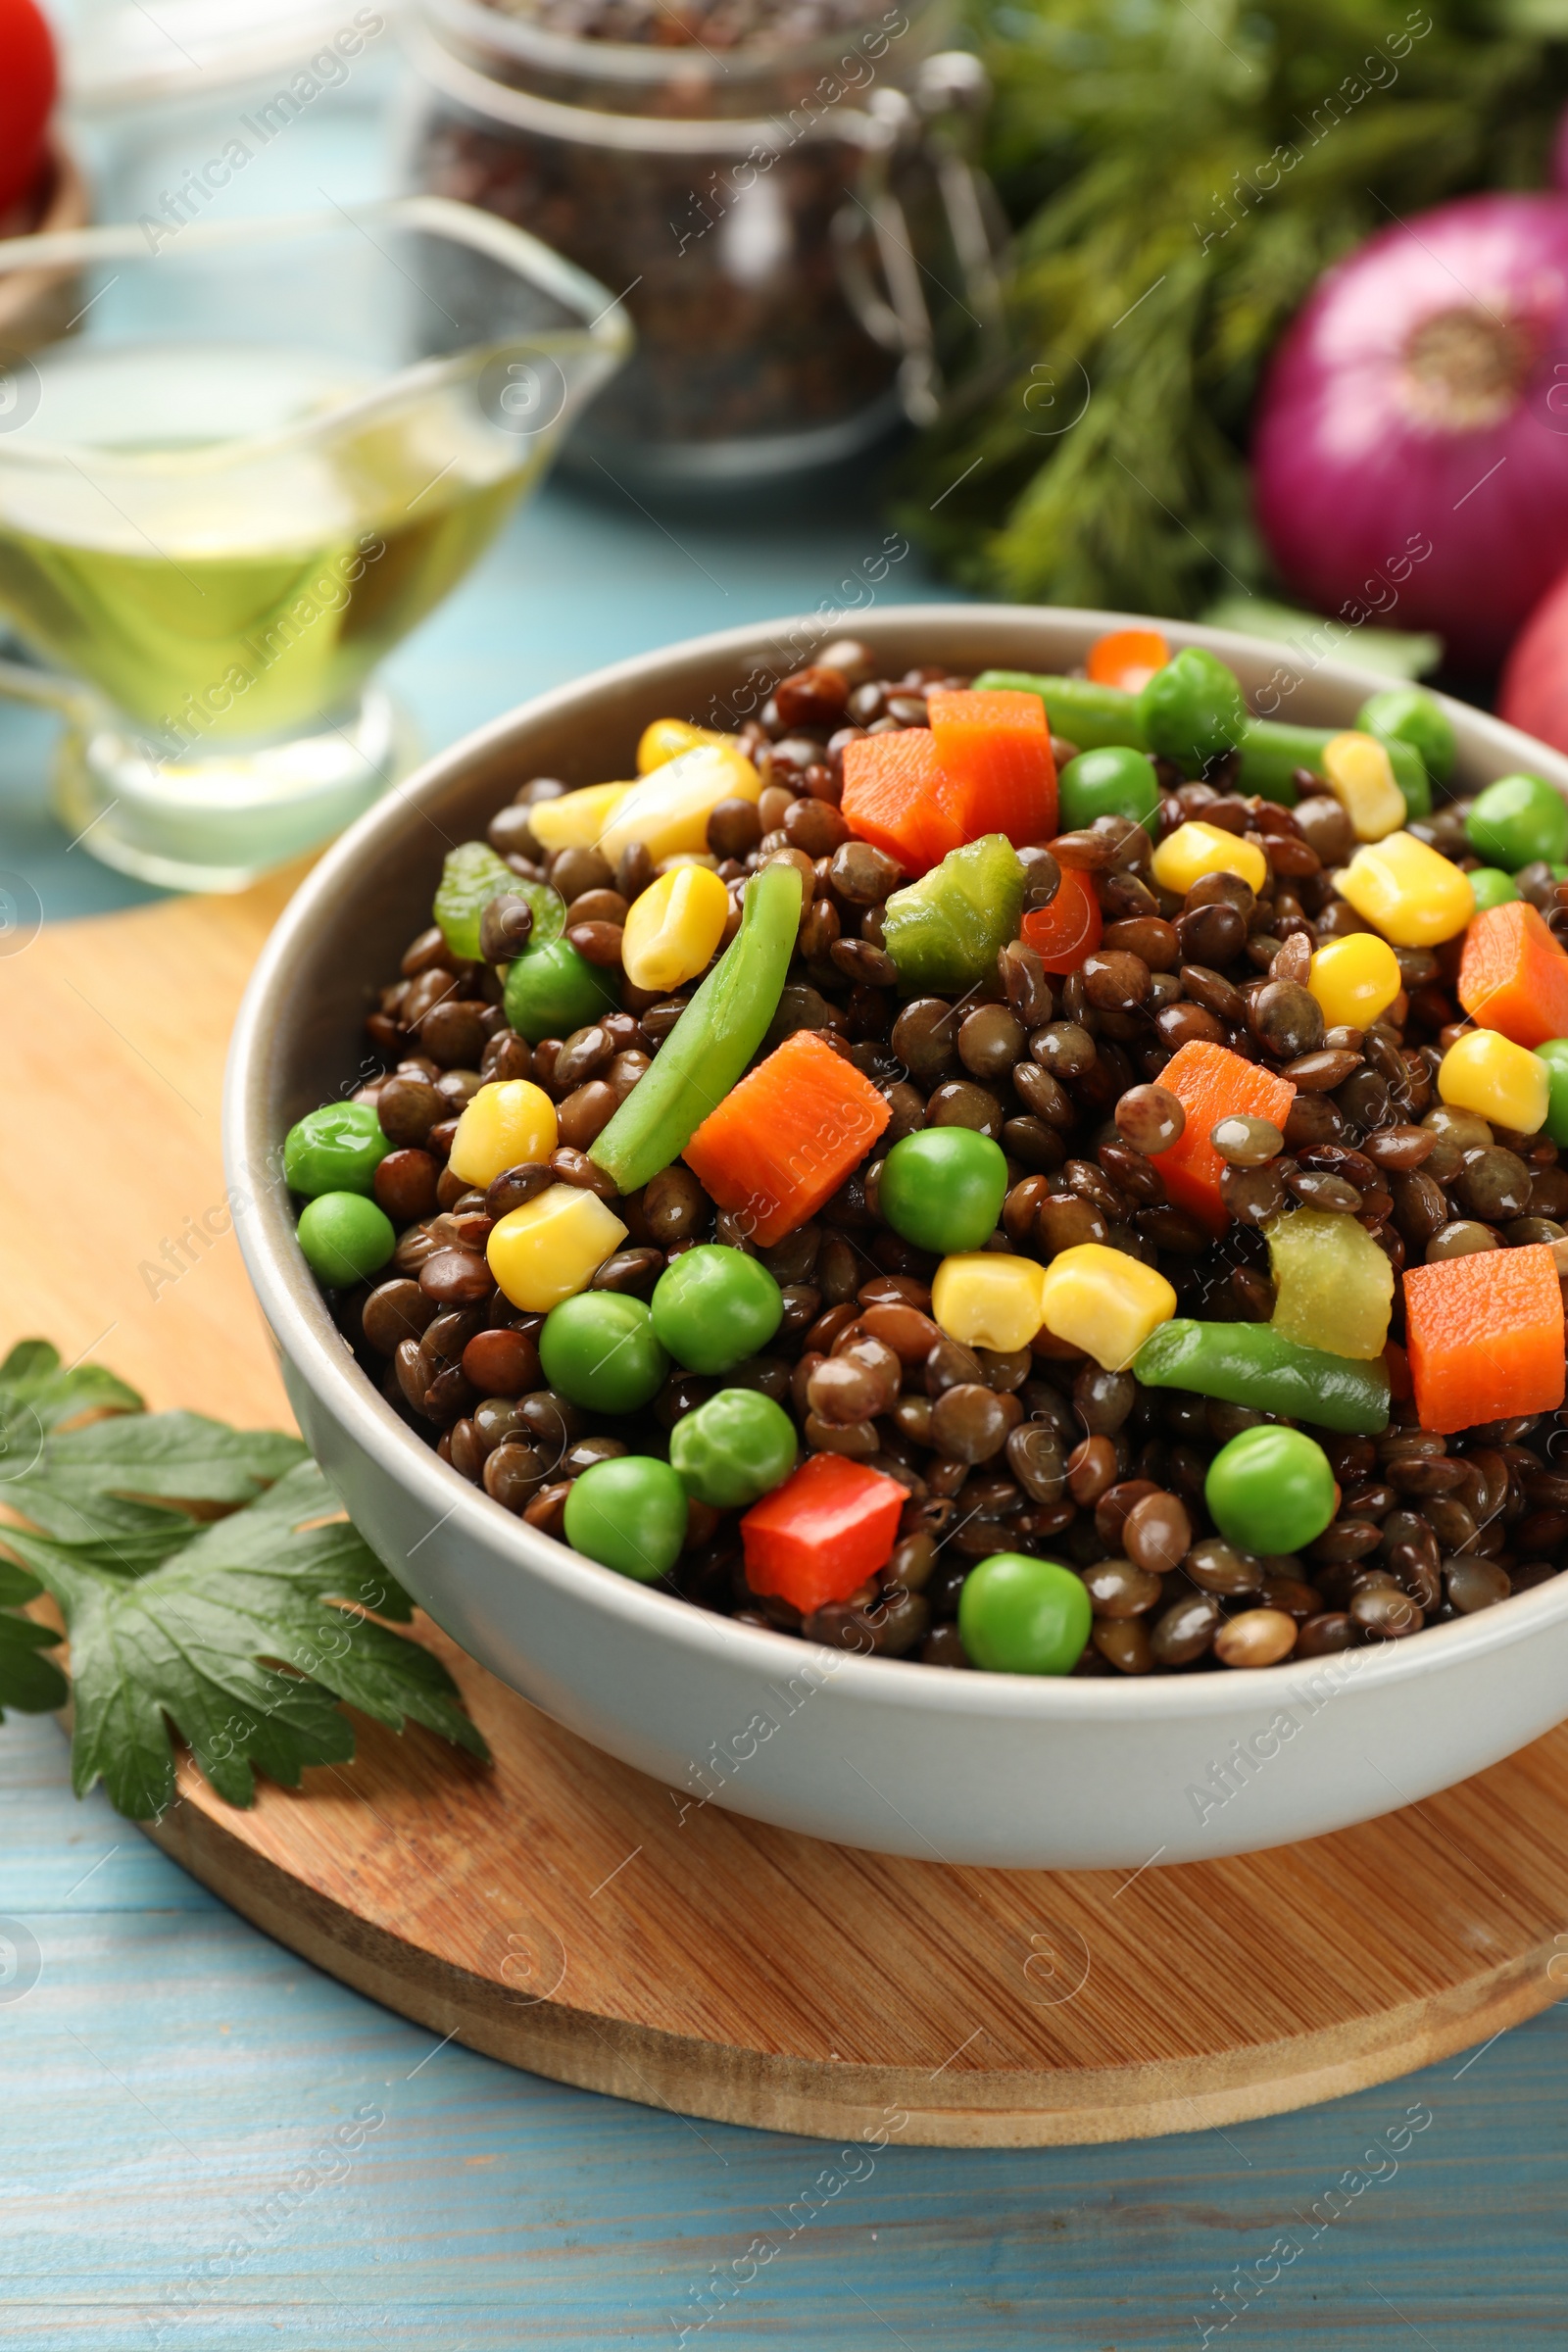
(211, 1587)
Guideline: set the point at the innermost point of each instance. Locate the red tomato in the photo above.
(1063, 933)
(1533, 694)
(26, 93)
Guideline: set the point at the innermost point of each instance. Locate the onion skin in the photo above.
(1410, 452)
(1534, 692)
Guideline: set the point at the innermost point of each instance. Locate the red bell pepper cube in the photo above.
(825, 1530)
(895, 798)
(1211, 1083)
(1063, 933)
(993, 751)
(783, 1141)
(1070, 927)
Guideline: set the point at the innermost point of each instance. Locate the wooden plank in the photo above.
(494, 2212)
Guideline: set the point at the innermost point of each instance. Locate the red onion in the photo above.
(1411, 445)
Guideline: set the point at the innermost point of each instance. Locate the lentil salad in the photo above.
(911, 1175)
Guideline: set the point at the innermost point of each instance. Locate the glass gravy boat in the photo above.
(263, 453)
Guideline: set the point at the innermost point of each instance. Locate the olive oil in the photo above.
(225, 540)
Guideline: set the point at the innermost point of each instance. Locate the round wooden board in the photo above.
(564, 1914)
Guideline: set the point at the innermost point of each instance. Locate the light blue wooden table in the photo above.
(181, 2162)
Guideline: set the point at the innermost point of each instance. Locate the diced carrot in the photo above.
(1513, 976)
(1484, 1335)
(1211, 1083)
(1063, 933)
(999, 775)
(825, 1530)
(1127, 657)
(784, 1139)
(894, 798)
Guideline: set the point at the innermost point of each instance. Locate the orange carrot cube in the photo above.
(993, 751)
(1211, 1083)
(1483, 1335)
(1513, 976)
(1127, 657)
(893, 797)
(783, 1141)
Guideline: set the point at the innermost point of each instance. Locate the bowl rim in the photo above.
(297, 1313)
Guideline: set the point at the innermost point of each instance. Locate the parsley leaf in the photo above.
(91, 1482)
(243, 1632)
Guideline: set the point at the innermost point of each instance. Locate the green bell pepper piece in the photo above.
(1249, 1363)
(471, 875)
(945, 931)
(715, 1037)
(1076, 708)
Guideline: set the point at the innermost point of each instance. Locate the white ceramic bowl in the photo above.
(960, 1767)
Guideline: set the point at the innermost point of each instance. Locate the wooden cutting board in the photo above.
(567, 1915)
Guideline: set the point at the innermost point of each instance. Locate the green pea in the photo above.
(335, 1150)
(1517, 821)
(599, 1348)
(943, 1189)
(733, 1449)
(552, 991)
(1193, 710)
(1113, 781)
(1554, 1054)
(345, 1237)
(628, 1514)
(1270, 1490)
(1018, 1615)
(1492, 886)
(1412, 715)
(715, 1305)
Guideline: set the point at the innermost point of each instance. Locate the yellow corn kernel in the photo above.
(1354, 979)
(1194, 849)
(1406, 890)
(551, 1246)
(1105, 1301)
(669, 809)
(985, 1299)
(674, 927)
(576, 821)
(1360, 775)
(506, 1125)
(1486, 1072)
(665, 739)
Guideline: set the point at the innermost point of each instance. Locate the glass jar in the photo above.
(794, 224)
